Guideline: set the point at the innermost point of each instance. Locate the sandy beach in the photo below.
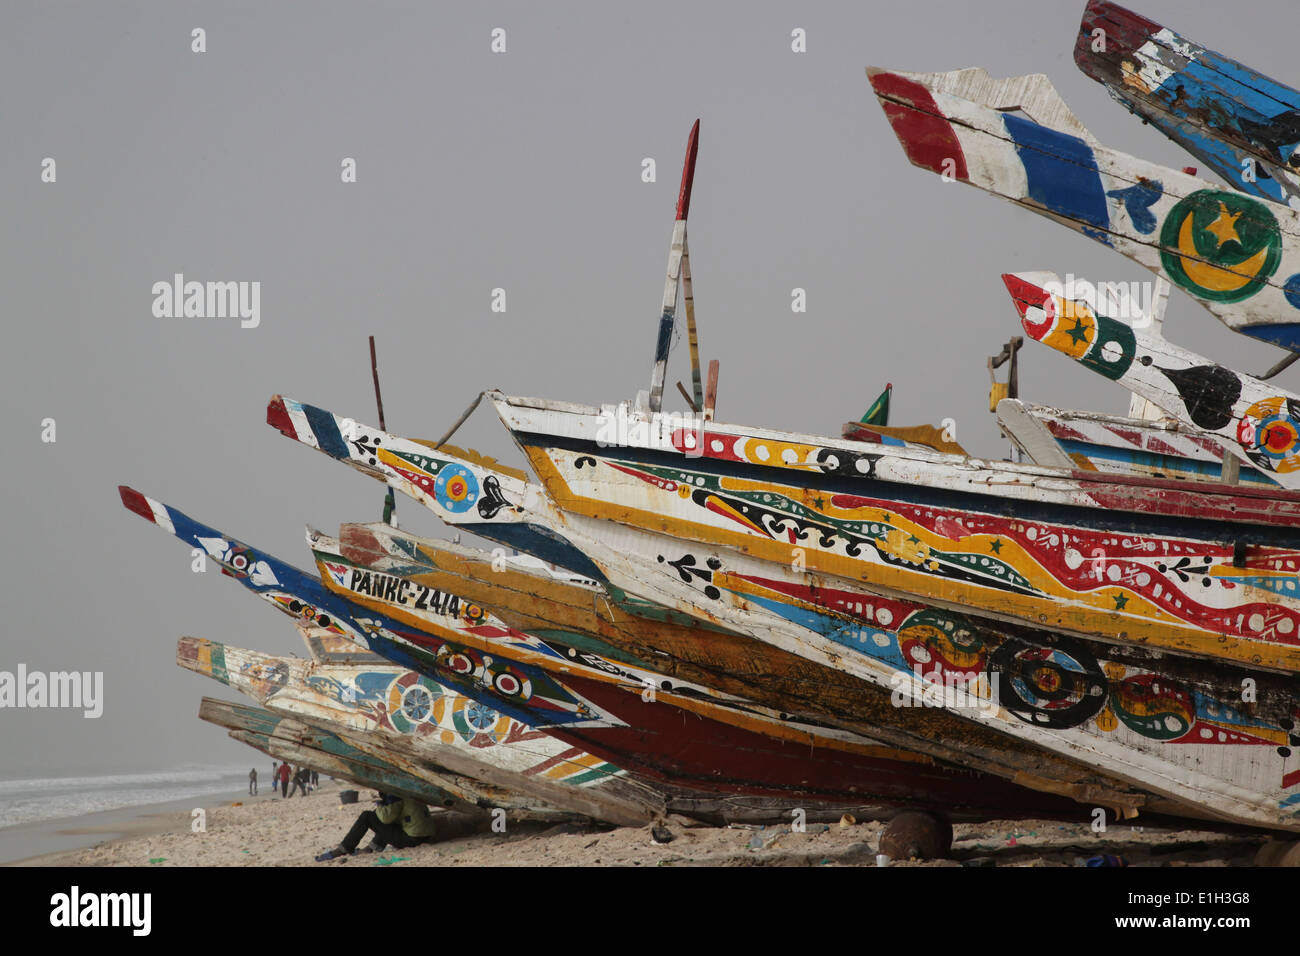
(267, 831)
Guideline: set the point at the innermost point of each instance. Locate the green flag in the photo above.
(878, 413)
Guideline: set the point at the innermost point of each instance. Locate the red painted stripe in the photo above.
(1132, 437)
(557, 759)
(1124, 32)
(1024, 295)
(136, 502)
(688, 172)
(277, 416)
(927, 137)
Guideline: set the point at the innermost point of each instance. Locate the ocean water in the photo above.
(44, 798)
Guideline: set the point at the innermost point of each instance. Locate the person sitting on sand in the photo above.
(252, 782)
(283, 774)
(397, 821)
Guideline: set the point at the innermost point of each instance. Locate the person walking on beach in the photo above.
(399, 822)
(252, 782)
(283, 774)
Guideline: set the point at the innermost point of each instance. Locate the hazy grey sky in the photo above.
(475, 171)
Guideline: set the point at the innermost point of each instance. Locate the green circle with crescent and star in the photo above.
(1219, 245)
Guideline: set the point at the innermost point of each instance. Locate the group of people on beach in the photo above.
(304, 779)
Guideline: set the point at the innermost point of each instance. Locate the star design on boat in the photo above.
(1120, 601)
(1079, 333)
(1224, 227)
(996, 546)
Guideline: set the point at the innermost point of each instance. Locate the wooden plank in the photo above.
(711, 392)
(1237, 255)
(1256, 421)
(1031, 436)
(1229, 116)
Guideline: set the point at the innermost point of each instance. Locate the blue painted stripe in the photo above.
(304, 587)
(326, 431)
(1171, 463)
(665, 336)
(1286, 336)
(1062, 171)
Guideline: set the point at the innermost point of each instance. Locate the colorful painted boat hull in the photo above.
(1238, 122)
(1117, 445)
(813, 617)
(709, 769)
(430, 732)
(1237, 255)
(1254, 420)
(938, 536)
(300, 743)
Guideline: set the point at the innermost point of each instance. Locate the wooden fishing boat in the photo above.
(1013, 542)
(1097, 722)
(1116, 444)
(1242, 124)
(1255, 421)
(303, 744)
(710, 769)
(1239, 256)
(431, 732)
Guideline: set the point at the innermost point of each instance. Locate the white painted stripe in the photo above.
(160, 516)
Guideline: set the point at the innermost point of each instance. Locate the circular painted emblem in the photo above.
(414, 704)
(1269, 431)
(479, 725)
(456, 488)
(1056, 683)
(1219, 245)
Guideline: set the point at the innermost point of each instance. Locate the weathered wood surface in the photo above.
(1237, 255)
(302, 744)
(760, 492)
(1257, 421)
(1091, 441)
(719, 770)
(1238, 122)
(431, 732)
(840, 628)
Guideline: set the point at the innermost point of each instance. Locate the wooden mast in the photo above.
(675, 257)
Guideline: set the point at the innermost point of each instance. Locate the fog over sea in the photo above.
(26, 800)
